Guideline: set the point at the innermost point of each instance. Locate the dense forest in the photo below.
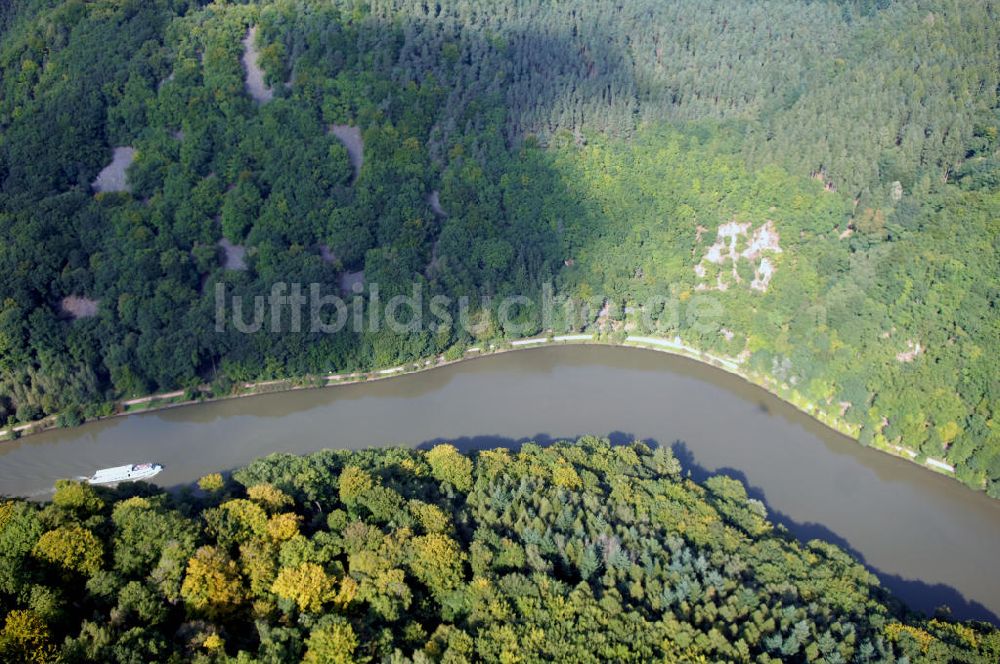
(601, 147)
(574, 552)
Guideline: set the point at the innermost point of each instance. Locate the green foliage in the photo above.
(237, 521)
(143, 533)
(632, 562)
(596, 148)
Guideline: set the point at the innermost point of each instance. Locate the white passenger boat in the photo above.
(130, 473)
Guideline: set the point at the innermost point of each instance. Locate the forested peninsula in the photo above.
(825, 171)
(580, 551)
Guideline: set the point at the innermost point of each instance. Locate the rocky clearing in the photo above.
(113, 177)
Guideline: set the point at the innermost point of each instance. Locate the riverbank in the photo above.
(675, 346)
(902, 520)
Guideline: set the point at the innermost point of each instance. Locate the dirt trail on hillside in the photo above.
(254, 74)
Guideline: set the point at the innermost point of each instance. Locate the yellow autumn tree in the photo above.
(348, 591)
(7, 508)
(270, 497)
(26, 638)
(437, 561)
(354, 482)
(564, 475)
(332, 644)
(431, 517)
(307, 584)
(77, 496)
(211, 482)
(282, 527)
(213, 642)
(450, 465)
(212, 583)
(894, 631)
(72, 548)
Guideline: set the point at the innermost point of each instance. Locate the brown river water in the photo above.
(931, 540)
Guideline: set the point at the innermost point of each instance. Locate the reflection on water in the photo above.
(906, 522)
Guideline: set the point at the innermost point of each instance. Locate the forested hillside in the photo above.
(576, 552)
(613, 149)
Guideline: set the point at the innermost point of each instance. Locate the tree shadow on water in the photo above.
(918, 595)
(468, 444)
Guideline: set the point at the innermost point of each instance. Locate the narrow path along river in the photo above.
(931, 540)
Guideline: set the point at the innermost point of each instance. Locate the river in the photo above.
(930, 540)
